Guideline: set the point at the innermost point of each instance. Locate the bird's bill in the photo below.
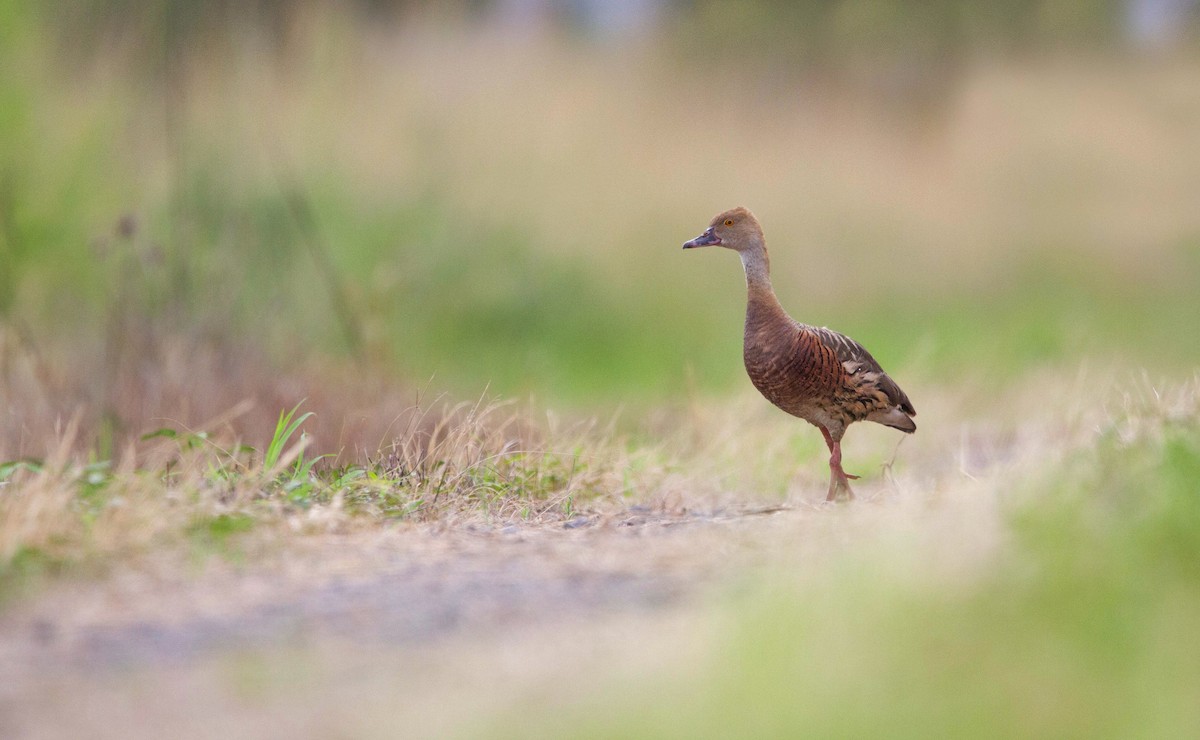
(707, 239)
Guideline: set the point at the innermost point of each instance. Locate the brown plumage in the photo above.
(823, 377)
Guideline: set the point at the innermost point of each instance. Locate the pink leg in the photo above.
(839, 480)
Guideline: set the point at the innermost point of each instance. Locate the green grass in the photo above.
(25, 570)
(468, 306)
(1081, 624)
(481, 463)
(1052, 595)
(462, 216)
(1041, 314)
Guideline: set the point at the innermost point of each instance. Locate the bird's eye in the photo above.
(729, 222)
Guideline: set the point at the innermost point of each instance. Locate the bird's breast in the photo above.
(790, 369)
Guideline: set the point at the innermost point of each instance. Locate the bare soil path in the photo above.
(175, 637)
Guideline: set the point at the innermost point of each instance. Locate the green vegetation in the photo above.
(477, 463)
(206, 217)
(415, 244)
(1078, 623)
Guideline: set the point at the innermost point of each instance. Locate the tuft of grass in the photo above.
(24, 569)
(470, 462)
(285, 428)
(219, 534)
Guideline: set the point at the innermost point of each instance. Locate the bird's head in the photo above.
(735, 229)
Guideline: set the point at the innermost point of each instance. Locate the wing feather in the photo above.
(850, 351)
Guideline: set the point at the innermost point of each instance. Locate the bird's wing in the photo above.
(850, 351)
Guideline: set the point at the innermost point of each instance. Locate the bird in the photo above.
(811, 372)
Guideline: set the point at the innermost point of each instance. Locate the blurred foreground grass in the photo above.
(1074, 617)
(1035, 577)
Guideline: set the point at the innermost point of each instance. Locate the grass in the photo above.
(233, 291)
(1030, 570)
(525, 241)
(1074, 619)
(483, 462)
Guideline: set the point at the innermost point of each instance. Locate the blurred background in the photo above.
(206, 203)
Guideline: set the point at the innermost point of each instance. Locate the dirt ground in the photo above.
(363, 633)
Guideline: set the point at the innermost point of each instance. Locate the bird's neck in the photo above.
(758, 267)
(760, 297)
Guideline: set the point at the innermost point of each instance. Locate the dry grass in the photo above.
(603, 164)
(600, 167)
(493, 462)
(451, 464)
(982, 539)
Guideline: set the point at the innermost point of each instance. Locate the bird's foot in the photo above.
(839, 489)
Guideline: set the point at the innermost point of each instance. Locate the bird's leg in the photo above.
(839, 480)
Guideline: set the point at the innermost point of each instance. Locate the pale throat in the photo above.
(758, 268)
